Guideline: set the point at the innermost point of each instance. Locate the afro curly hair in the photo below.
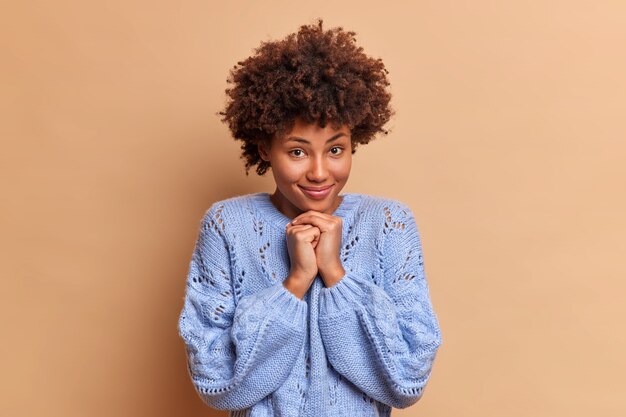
(317, 75)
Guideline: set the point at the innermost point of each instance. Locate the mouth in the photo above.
(316, 193)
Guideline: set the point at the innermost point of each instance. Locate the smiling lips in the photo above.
(315, 192)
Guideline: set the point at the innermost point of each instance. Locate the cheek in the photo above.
(288, 171)
(342, 170)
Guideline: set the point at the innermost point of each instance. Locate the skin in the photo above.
(314, 234)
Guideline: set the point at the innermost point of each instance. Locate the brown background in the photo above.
(508, 145)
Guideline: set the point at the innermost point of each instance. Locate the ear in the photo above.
(263, 149)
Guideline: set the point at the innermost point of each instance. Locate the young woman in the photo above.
(306, 301)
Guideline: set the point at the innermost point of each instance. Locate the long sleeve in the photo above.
(238, 352)
(384, 337)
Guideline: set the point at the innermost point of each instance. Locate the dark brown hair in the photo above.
(318, 75)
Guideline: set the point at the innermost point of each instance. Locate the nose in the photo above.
(318, 172)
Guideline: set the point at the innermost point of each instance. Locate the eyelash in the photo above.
(334, 147)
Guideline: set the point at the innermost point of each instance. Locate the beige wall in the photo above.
(508, 144)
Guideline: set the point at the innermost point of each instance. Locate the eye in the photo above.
(337, 147)
(291, 152)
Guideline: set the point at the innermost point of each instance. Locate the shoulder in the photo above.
(384, 208)
(396, 228)
(230, 212)
(234, 203)
(382, 216)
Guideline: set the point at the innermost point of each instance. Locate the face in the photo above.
(310, 165)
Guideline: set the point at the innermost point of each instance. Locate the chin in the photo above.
(318, 205)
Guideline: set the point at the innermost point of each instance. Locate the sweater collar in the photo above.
(268, 211)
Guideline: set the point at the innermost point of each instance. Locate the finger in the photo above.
(316, 238)
(311, 234)
(298, 226)
(304, 228)
(311, 217)
(313, 213)
(324, 223)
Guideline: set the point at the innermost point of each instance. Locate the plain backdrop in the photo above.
(508, 145)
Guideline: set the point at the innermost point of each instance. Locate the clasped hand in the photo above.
(314, 243)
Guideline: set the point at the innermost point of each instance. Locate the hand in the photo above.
(327, 249)
(301, 242)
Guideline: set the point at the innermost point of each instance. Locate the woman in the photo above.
(308, 302)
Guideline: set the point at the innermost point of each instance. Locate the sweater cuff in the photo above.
(345, 294)
(287, 307)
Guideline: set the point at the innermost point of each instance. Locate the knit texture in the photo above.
(357, 348)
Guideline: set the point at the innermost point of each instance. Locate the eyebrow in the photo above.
(297, 139)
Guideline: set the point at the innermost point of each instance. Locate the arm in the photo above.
(393, 331)
(237, 352)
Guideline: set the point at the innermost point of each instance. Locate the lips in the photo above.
(316, 193)
(316, 188)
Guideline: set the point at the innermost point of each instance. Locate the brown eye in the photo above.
(291, 152)
(337, 153)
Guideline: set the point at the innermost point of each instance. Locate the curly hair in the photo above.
(317, 75)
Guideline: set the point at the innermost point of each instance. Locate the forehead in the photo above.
(307, 130)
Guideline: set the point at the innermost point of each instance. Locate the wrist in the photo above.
(296, 285)
(333, 276)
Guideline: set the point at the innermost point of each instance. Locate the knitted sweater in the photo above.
(357, 348)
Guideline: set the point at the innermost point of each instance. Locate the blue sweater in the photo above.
(357, 348)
